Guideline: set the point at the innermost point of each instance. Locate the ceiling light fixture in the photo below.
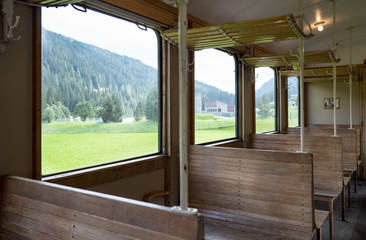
(320, 25)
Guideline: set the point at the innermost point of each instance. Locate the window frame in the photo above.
(82, 177)
(237, 106)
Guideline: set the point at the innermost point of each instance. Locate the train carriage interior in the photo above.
(182, 119)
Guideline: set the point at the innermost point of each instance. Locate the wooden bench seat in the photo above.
(349, 146)
(44, 211)
(252, 194)
(327, 157)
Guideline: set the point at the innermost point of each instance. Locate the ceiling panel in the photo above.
(350, 13)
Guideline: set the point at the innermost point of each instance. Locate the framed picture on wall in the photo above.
(329, 104)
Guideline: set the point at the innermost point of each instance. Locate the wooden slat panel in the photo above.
(240, 33)
(52, 2)
(325, 56)
(252, 188)
(349, 142)
(64, 220)
(66, 211)
(327, 156)
(324, 74)
(356, 127)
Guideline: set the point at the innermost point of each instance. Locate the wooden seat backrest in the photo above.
(327, 156)
(268, 193)
(33, 209)
(349, 142)
(342, 126)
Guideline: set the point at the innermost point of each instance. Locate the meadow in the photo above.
(73, 145)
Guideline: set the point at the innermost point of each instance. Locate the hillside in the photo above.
(268, 89)
(74, 72)
(212, 93)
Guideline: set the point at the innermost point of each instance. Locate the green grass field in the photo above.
(210, 128)
(293, 116)
(73, 145)
(264, 125)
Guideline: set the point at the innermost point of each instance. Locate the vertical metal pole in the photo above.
(301, 61)
(334, 72)
(350, 79)
(183, 106)
(243, 101)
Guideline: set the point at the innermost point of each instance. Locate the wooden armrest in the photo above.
(346, 180)
(320, 217)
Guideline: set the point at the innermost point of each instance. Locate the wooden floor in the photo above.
(354, 228)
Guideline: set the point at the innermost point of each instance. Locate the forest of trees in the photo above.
(210, 93)
(265, 97)
(85, 81)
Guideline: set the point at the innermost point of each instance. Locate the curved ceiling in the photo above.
(349, 14)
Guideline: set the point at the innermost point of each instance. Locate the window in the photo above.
(265, 99)
(215, 96)
(293, 102)
(101, 92)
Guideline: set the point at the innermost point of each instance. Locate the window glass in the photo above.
(265, 99)
(293, 101)
(215, 96)
(100, 90)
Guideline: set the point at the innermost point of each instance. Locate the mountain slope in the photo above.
(268, 88)
(73, 72)
(212, 93)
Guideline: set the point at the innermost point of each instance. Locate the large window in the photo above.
(215, 96)
(100, 90)
(293, 101)
(265, 99)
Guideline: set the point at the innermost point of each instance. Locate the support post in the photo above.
(350, 79)
(183, 105)
(183, 112)
(334, 72)
(301, 61)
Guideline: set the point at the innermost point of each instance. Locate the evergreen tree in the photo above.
(111, 109)
(152, 105)
(84, 110)
(264, 110)
(139, 112)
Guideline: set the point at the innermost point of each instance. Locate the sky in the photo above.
(262, 75)
(103, 31)
(215, 68)
(212, 67)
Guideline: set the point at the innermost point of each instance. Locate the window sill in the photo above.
(103, 174)
(223, 143)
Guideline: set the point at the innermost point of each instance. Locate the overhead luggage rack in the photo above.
(315, 57)
(241, 33)
(324, 74)
(50, 3)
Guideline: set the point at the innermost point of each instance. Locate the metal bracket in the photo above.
(8, 25)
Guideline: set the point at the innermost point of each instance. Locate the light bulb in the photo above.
(319, 25)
